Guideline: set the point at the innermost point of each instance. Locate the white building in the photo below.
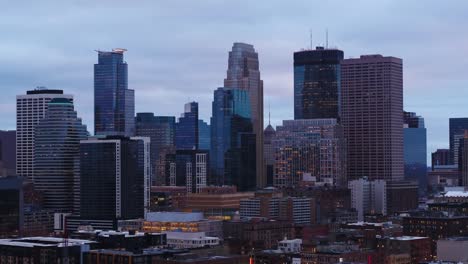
(290, 246)
(30, 109)
(453, 249)
(190, 240)
(368, 197)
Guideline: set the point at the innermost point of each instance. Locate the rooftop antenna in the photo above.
(326, 38)
(269, 114)
(311, 45)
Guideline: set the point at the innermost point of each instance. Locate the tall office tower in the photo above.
(457, 126)
(186, 136)
(7, 152)
(161, 131)
(317, 85)
(233, 153)
(440, 157)
(244, 73)
(204, 135)
(11, 206)
(31, 108)
(56, 155)
(269, 153)
(415, 150)
(463, 164)
(313, 148)
(368, 197)
(188, 168)
(114, 103)
(114, 178)
(372, 116)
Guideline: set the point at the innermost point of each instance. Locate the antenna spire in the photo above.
(269, 114)
(326, 37)
(311, 44)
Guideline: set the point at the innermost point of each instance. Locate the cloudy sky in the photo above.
(177, 50)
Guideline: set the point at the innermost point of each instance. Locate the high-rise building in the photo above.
(317, 85)
(309, 147)
(440, 157)
(204, 135)
(56, 156)
(188, 168)
(7, 152)
(114, 174)
(114, 103)
(161, 131)
(457, 126)
(244, 73)
(269, 153)
(186, 134)
(232, 155)
(11, 206)
(30, 108)
(463, 160)
(415, 150)
(372, 116)
(368, 197)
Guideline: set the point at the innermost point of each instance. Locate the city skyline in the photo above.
(184, 50)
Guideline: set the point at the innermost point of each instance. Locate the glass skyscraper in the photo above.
(317, 83)
(231, 159)
(56, 151)
(244, 73)
(114, 103)
(457, 127)
(415, 150)
(186, 136)
(204, 135)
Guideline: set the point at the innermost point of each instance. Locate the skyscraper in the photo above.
(317, 85)
(204, 135)
(7, 152)
(188, 168)
(415, 150)
(31, 108)
(463, 164)
(56, 156)
(440, 157)
(114, 103)
(269, 152)
(114, 173)
(232, 136)
(372, 116)
(243, 73)
(457, 126)
(186, 136)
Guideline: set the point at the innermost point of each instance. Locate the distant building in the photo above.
(114, 103)
(443, 176)
(204, 135)
(168, 198)
(418, 248)
(372, 87)
(11, 206)
(441, 157)
(463, 160)
(317, 83)
(269, 153)
(415, 150)
(453, 249)
(290, 245)
(457, 126)
(314, 147)
(56, 156)
(368, 197)
(186, 136)
(30, 109)
(190, 240)
(189, 168)
(115, 172)
(7, 152)
(402, 196)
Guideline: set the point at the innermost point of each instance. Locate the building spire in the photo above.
(269, 112)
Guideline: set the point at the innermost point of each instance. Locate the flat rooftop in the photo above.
(174, 217)
(43, 242)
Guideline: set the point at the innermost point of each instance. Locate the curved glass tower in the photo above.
(56, 155)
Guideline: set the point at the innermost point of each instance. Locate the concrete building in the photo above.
(290, 245)
(440, 157)
(453, 249)
(418, 248)
(368, 197)
(190, 239)
(30, 109)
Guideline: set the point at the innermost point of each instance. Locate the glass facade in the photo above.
(457, 127)
(231, 159)
(415, 150)
(186, 136)
(204, 135)
(114, 103)
(56, 148)
(317, 84)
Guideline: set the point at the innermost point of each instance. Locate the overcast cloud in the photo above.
(177, 50)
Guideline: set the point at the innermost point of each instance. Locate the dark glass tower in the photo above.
(204, 135)
(187, 128)
(457, 127)
(244, 73)
(231, 158)
(415, 150)
(114, 103)
(7, 152)
(317, 83)
(56, 151)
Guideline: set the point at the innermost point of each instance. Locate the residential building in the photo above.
(114, 103)
(372, 86)
(56, 156)
(30, 109)
(415, 150)
(317, 83)
(243, 73)
(368, 197)
(186, 133)
(189, 168)
(7, 152)
(457, 127)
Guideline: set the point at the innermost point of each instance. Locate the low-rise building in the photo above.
(453, 249)
(418, 248)
(290, 245)
(190, 240)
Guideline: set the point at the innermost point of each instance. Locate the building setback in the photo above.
(415, 150)
(317, 85)
(186, 136)
(372, 116)
(114, 103)
(31, 108)
(244, 73)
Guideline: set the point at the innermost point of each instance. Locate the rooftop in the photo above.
(43, 242)
(174, 217)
